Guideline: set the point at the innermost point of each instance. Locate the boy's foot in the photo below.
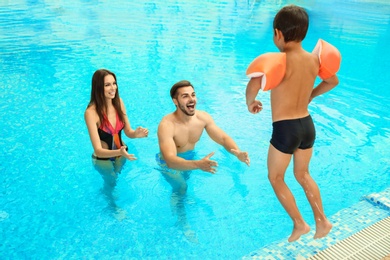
(298, 231)
(322, 229)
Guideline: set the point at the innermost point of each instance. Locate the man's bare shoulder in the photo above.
(204, 116)
(167, 121)
(167, 118)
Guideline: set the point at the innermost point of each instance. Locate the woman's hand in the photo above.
(141, 132)
(125, 154)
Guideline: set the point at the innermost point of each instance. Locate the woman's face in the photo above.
(110, 87)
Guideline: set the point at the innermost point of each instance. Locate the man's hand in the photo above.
(242, 156)
(207, 165)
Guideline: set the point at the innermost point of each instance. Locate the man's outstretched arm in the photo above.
(220, 137)
(169, 152)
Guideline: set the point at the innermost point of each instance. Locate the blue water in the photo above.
(51, 205)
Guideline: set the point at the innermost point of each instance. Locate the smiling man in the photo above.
(178, 134)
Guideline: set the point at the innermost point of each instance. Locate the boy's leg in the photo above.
(277, 165)
(301, 172)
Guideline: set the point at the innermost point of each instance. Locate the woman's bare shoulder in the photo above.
(91, 111)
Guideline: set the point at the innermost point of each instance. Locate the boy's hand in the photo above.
(255, 107)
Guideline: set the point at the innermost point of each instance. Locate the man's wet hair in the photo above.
(180, 84)
(293, 22)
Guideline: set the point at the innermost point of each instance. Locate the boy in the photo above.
(293, 129)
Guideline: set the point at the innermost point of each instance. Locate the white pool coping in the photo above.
(372, 209)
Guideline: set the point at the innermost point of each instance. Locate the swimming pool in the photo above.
(51, 205)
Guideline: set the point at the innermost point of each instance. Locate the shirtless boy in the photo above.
(293, 129)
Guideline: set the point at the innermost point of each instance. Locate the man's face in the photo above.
(186, 100)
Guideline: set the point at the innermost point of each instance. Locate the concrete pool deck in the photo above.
(372, 209)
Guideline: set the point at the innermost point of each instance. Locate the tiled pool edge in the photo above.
(371, 243)
(381, 199)
(371, 209)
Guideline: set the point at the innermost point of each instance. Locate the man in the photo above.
(178, 134)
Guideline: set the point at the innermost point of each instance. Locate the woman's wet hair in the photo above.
(293, 22)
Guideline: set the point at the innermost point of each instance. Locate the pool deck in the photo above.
(371, 209)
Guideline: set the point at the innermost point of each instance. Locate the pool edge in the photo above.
(369, 210)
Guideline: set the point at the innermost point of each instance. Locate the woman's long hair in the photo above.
(98, 98)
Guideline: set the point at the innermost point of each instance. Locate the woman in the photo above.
(106, 117)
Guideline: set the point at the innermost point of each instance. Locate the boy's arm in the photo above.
(252, 89)
(325, 86)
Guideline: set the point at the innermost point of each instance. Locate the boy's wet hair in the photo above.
(293, 22)
(180, 84)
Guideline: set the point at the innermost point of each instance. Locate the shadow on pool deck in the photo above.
(371, 209)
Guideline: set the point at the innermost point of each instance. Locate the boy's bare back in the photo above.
(291, 98)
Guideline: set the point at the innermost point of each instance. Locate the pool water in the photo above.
(51, 204)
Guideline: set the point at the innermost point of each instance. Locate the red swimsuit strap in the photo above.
(107, 127)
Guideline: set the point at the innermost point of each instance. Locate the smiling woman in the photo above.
(106, 117)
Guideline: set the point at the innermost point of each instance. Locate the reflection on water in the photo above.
(51, 204)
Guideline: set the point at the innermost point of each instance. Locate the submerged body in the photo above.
(106, 118)
(178, 133)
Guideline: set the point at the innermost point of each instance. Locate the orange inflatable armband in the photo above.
(329, 58)
(272, 66)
